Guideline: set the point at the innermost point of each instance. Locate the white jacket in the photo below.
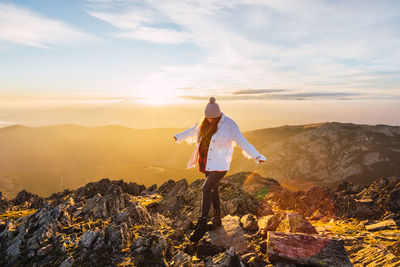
(220, 151)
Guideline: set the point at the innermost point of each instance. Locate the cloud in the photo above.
(280, 96)
(22, 26)
(144, 23)
(257, 91)
(332, 47)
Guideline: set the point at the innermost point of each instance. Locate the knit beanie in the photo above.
(212, 109)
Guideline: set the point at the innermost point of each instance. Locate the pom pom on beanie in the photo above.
(212, 109)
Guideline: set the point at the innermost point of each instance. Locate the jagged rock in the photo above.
(316, 203)
(123, 217)
(295, 223)
(253, 260)
(117, 236)
(302, 249)
(270, 222)
(106, 187)
(349, 207)
(96, 206)
(3, 203)
(174, 199)
(149, 249)
(254, 184)
(230, 234)
(348, 188)
(205, 249)
(388, 224)
(98, 228)
(234, 200)
(27, 200)
(105, 206)
(264, 207)
(383, 196)
(88, 238)
(139, 214)
(67, 262)
(166, 187)
(181, 259)
(152, 189)
(287, 199)
(57, 198)
(249, 222)
(14, 249)
(225, 259)
(45, 250)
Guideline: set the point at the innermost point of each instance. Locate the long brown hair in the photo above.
(208, 129)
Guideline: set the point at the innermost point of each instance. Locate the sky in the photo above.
(287, 58)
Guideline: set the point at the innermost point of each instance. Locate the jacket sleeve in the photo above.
(248, 149)
(188, 135)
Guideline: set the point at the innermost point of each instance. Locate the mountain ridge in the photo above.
(51, 158)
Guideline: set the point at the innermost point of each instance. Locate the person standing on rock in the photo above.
(216, 137)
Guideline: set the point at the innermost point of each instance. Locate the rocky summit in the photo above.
(113, 223)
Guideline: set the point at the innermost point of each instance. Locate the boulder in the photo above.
(230, 234)
(270, 222)
(296, 223)
(308, 250)
(249, 222)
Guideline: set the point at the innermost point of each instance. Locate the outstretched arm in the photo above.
(248, 149)
(189, 135)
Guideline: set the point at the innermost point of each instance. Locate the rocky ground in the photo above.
(113, 223)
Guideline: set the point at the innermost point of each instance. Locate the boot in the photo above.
(215, 222)
(200, 230)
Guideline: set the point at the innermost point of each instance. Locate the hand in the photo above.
(175, 138)
(259, 160)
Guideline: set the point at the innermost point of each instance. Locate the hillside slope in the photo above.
(326, 154)
(53, 158)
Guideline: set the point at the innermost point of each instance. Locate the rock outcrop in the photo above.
(3, 203)
(27, 200)
(379, 200)
(263, 224)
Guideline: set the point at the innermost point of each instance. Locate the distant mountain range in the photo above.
(47, 159)
(328, 153)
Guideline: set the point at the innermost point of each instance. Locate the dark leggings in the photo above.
(210, 192)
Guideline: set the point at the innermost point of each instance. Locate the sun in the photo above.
(156, 97)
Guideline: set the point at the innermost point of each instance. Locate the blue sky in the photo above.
(237, 49)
